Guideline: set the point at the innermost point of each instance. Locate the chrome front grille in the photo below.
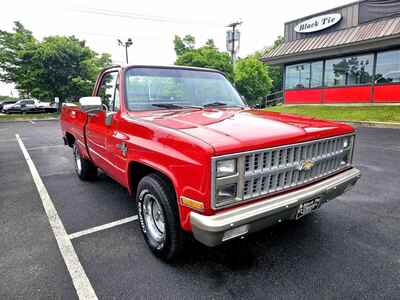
(267, 171)
(274, 170)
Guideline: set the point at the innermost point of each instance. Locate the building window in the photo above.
(354, 70)
(388, 67)
(302, 76)
(316, 74)
(297, 76)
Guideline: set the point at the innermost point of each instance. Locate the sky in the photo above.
(152, 24)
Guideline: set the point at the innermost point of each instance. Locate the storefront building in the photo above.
(350, 54)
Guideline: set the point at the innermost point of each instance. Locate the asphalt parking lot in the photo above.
(349, 249)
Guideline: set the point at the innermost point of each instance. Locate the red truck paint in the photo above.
(181, 143)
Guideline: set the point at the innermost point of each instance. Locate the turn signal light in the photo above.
(192, 203)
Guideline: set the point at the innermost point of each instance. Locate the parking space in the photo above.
(347, 249)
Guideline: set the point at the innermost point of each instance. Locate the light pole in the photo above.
(233, 41)
(127, 44)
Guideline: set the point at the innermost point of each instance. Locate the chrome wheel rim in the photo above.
(78, 162)
(154, 218)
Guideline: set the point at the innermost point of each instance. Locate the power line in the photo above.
(150, 18)
(116, 35)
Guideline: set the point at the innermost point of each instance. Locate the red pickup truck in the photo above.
(199, 160)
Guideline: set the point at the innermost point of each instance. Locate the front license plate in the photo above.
(308, 207)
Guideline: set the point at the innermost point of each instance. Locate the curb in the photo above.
(28, 120)
(373, 124)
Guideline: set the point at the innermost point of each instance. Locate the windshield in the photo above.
(168, 88)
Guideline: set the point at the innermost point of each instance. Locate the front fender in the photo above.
(186, 163)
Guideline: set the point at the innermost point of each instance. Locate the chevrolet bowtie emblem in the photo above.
(123, 148)
(305, 165)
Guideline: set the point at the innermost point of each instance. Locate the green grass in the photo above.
(344, 113)
(27, 117)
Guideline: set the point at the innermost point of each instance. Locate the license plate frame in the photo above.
(308, 207)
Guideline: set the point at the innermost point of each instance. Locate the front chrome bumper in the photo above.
(211, 230)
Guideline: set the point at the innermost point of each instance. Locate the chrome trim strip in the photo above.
(106, 160)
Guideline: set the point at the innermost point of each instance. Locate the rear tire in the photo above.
(84, 168)
(159, 218)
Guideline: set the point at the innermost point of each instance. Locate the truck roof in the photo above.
(127, 66)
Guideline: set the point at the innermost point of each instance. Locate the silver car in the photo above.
(21, 106)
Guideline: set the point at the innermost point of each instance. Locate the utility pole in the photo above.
(233, 40)
(126, 45)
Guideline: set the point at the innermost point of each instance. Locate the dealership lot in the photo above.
(347, 249)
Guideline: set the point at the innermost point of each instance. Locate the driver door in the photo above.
(97, 131)
(116, 140)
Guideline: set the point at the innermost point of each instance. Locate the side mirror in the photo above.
(91, 104)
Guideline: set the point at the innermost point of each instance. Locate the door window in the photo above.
(107, 90)
(115, 106)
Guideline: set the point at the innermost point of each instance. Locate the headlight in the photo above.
(226, 167)
(226, 193)
(346, 142)
(345, 159)
(348, 146)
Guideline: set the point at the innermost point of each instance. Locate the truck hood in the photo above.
(231, 130)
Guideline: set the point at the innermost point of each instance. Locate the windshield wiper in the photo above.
(173, 106)
(214, 104)
(166, 105)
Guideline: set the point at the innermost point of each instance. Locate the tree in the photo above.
(210, 44)
(276, 71)
(65, 67)
(58, 66)
(207, 56)
(16, 50)
(251, 78)
(7, 98)
(278, 41)
(182, 45)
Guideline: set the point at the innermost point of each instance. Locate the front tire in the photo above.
(159, 218)
(84, 168)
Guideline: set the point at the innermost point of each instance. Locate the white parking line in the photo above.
(80, 281)
(102, 227)
(44, 147)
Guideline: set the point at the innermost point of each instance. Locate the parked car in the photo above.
(5, 103)
(30, 106)
(46, 107)
(21, 106)
(200, 161)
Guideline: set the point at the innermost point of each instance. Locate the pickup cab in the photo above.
(198, 160)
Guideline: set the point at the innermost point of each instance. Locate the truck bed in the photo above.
(73, 121)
